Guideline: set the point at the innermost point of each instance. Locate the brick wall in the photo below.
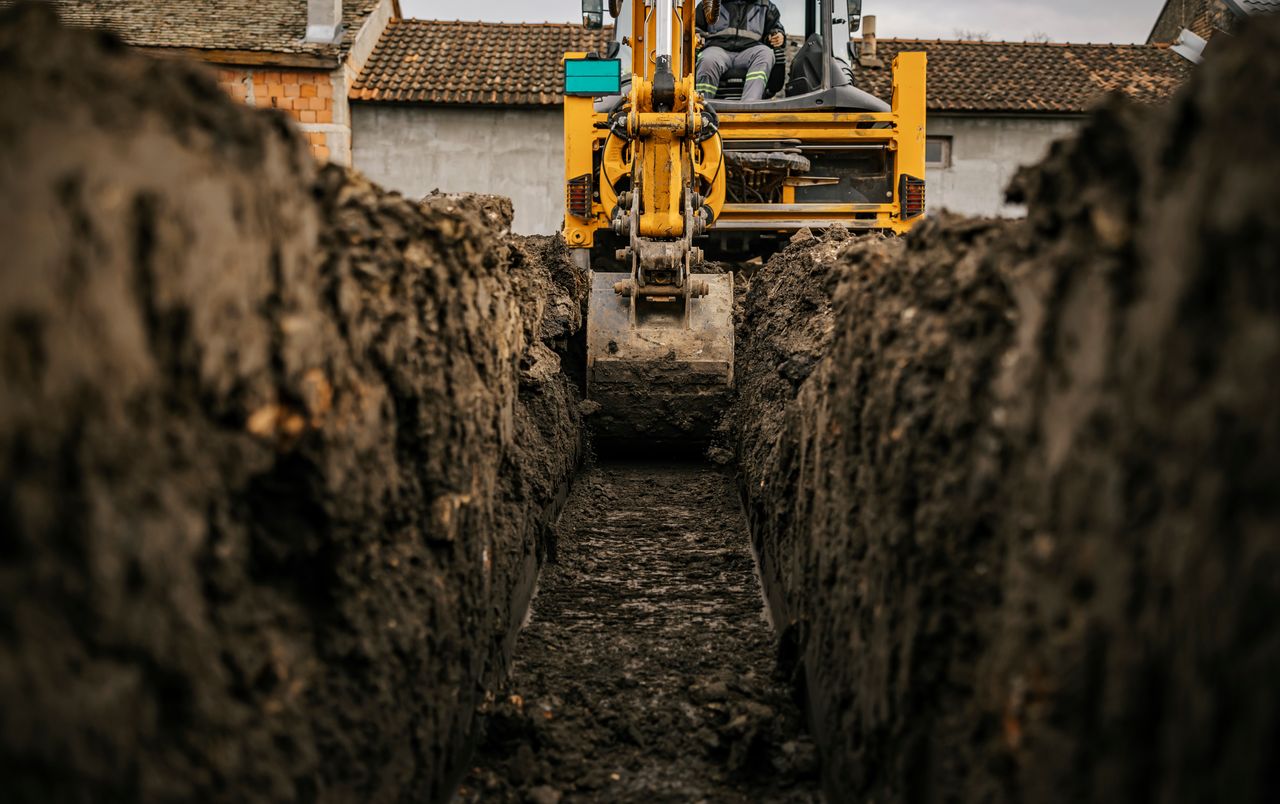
(308, 96)
(1202, 17)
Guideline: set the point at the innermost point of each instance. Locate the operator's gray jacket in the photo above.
(742, 24)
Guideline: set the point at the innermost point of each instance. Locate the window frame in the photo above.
(948, 151)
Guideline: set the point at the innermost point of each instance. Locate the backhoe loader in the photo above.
(660, 176)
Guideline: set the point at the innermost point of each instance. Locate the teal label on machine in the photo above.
(593, 77)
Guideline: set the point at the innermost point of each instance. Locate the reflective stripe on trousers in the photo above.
(714, 62)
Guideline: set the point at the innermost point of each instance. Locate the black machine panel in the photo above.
(864, 173)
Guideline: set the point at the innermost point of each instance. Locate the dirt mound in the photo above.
(1017, 523)
(280, 449)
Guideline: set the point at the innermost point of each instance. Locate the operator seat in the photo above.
(841, 98)
(835, 99)
(732, 80)
(804, 91)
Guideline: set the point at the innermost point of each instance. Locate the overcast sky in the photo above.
(1017, 20)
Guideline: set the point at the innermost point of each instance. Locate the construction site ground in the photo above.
(646, 670)
(297, 502)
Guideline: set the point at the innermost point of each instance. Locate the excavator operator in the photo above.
(741, 37)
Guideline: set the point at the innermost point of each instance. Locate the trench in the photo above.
(646, 669)
(282, 454)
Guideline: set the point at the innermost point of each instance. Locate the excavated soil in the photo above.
(645, 673)
(1013, 484)
(283, 453)
(280, 450)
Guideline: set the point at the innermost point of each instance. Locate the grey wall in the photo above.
(985, 153)
(518, 153)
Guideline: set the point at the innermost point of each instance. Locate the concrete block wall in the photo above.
(513, 152)
(986, 152)
(519, 153)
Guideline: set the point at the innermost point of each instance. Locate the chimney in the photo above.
(867, 55)
(324, 21)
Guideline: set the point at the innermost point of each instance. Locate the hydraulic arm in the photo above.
(656, 173)
(660, 338)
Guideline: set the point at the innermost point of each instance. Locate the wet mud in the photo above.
(280, 450)
(1012, 482)
(645, 673)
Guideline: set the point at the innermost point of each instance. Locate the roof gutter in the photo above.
(531, 106)
(245, 58)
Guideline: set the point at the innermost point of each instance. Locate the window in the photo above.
(792, 16)
(937, 152)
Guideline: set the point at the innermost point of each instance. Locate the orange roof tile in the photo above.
(265, 26)
(1031, 77)
(477, 63)
(507, 64)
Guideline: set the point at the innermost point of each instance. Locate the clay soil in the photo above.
(646, 671)
(282, 455)
(279, 450)
(1013, 483)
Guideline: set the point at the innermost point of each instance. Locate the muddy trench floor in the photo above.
(646, 670)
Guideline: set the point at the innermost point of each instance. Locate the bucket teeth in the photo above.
(663, 378)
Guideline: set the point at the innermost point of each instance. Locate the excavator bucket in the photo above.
(661, 375)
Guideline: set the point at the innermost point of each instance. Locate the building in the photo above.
(995, 106)
(299, 56)
(421, 105)
(476, 106)
(1205, 18)
(470, 106)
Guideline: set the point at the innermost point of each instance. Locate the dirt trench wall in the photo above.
(279, 448)
(1012, 484)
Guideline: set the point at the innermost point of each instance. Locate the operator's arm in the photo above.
(774, 33)
(700, 16)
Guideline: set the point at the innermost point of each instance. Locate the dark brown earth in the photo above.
(279, 451)
(281, 454)
(1013, 483)
(645, 673)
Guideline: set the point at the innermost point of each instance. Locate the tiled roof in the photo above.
(475, 63)
(440, 62)
(267, 26)
(1031, 77)
(1256, 6)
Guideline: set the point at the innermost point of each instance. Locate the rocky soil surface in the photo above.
(646, 671)
(1013, 483)
(279, 451)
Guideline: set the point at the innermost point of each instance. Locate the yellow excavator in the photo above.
(662, 172)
